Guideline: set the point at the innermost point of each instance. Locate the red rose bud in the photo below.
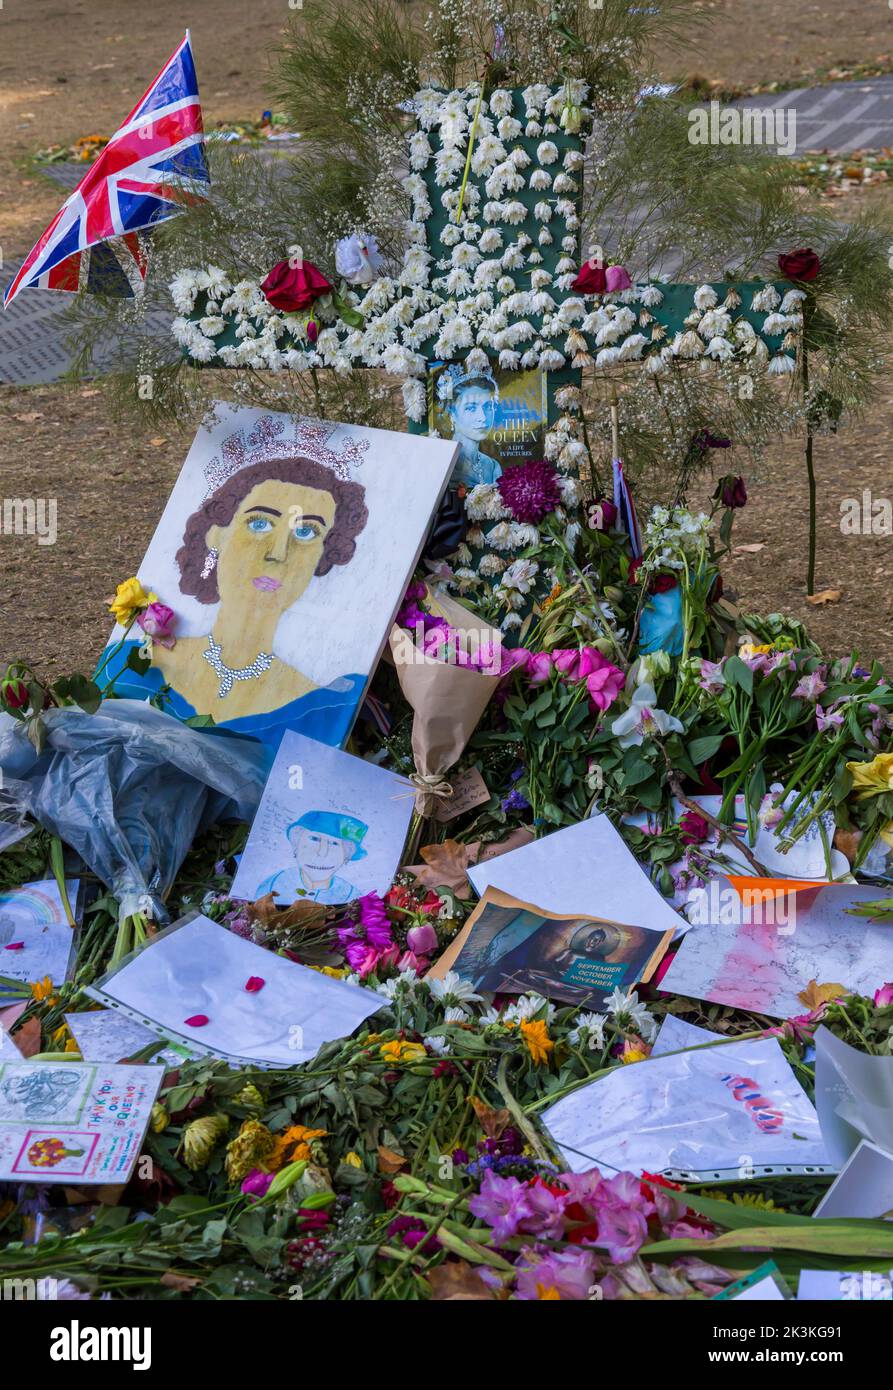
(312, 331)
(292, 289)
(592, 279)
(15, 694)
(695, 830)
(663, 583)
(197, 1021)
(254, 983)
(800, 265)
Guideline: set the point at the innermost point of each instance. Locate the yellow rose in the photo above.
(129, 598)
(871, 779)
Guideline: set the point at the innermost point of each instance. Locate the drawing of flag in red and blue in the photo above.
(151, 163)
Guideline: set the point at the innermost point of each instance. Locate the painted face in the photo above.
(270, 549)
(472, 412)
(319, 855)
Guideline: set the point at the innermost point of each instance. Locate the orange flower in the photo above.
(297, 1138)
(42, 990)
(536, 1036)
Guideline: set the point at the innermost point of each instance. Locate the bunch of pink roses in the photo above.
(604, 681)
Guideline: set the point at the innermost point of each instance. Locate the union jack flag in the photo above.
(139, 179)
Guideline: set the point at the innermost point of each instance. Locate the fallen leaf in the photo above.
(181, 1282)
(847, 841)
(157, 441)
(445, 865)
(389, 1161)
(302, 913)
(750, 549)
(88, 391)
(27, 1037)
(491, 1121)
(824, 596)
(814, 995)
(458, 1280)
(29, 416)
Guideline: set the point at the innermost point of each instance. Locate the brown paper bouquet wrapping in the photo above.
(447, 700)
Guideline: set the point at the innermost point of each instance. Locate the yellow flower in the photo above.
(547, 1293)
(552, 596)
(160, 1118)
(353, 1159)
(536, 1036)
(402, 1053)
(634, 1050)
(333, 972)
(293, 1145)
(870, 779)
(42, 991)
(199, 1139)
(251, 1098)
(252, 1147)
(750, 649)
(129, 598)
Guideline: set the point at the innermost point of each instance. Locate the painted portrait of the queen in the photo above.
(283, 551)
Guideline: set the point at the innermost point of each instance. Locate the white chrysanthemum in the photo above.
(512, 258)
(792, 301)
(540, 178)
(631, 347)
(535, 97)
(202, 349)
(714, 324)
(543, 212)
(488, 152)
(568, 398)
(776, 325)
(573, 159)
(565, 184)
(184, 289)
(491, 240)
(214, 281)
(781, 365)
(509, 361)
(514, 212)
(491, 565)
(500, 536)
(494, 211)
(688, 344)
(419, 150)
(527, 1006)
(465, 255)
(415, 402)
(448, 164)
(533, 130)
(539, 279)
(477, 361)
(588, 1029)
(483, 503)
(705, 297)
(720, 349)
(607, 357)
(547, 152)
(551, 360)
(500, 102)
(487, 274)
(508, 128)
(505, 284)
(451, 234)
(211, 325)
(765, 300)
(452, 988)
(453, 336)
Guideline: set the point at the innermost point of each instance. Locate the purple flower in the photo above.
(711, 677)
(530, 490)
(157, 621)
(515, 801)
(567, 1273)
(256, 1183)
(827, 719)
(503, 1204)
(705, 440)
(731, 492)
(810, 687)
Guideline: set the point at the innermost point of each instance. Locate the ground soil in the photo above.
(70, 67)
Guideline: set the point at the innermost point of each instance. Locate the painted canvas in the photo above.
(78, 1123)
(36, 940)
(497, 418)
(511, 947)
(330, 827)
(284, 551)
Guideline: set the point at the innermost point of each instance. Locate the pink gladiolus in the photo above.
(422, 940)
(883, 996)
(604, 685)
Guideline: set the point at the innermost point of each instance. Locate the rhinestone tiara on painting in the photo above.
(269, 439)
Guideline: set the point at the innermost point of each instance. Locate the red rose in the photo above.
(292, 288)
(633, 575)
(800, 265)
(592, 279)
(663, 583)
(15, 694)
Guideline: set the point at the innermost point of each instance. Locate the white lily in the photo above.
(643, 719)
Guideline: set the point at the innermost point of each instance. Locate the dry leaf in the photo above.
(458, 1280)
(389, 1161)
(824, 596)
(157, 441)
(847, 841)
(445, 865)
(814, 995)
(302, 913)
(29, 416)
(181, 1282)
(750, 549)
(27, 1038)
(491, 1121)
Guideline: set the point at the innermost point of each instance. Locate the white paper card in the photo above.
(586, 866)
(35, 938)
(853, 1096)
(330, 827)
(731, 1109)
(104, 1035)
(198, 969)
(675, 1034)
(73, 1122)
(832, 1286)
(863, 1188)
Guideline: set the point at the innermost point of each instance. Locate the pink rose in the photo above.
(539, 668)
(422, 940)
(605, 684)
(883, 996)
(157, 621)
(617, 279)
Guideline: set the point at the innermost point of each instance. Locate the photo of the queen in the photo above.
(281, 508)
(497, 418)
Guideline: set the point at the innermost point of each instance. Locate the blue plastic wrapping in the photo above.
(129, 788)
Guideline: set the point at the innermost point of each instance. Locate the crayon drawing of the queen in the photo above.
(284, 555)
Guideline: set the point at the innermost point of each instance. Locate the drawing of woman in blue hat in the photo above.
(321, 842)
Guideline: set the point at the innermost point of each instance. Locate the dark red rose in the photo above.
(695, 830)
(292, 288)
(312, 331)
(663, 583)
(800, 265)
(731, 492)
(592, 279)
(633, 575)
(602, 515)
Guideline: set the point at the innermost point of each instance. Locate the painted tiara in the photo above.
(268, 439)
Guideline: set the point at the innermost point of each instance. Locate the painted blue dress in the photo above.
(325, 714)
